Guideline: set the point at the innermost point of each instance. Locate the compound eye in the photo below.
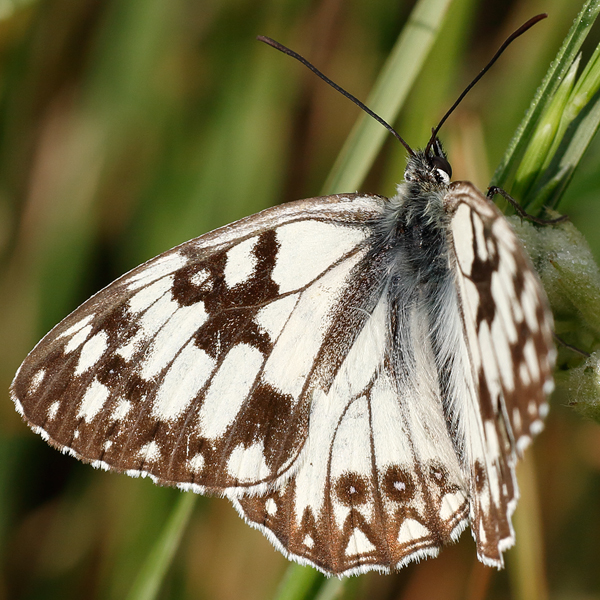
(442, 176)
(442, 168)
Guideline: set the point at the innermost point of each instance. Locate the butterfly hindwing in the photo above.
(202, 356)
(390, 488)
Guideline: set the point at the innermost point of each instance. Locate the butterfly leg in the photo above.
(493, 190)
(571, 347)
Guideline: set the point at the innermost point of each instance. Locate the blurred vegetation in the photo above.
(129, 126)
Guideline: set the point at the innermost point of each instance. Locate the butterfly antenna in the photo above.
(335, 86)
(483, 71)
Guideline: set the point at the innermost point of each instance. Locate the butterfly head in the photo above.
(429, 167)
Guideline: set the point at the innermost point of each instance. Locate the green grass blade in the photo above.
(299, 583)
(543, 137)
(149, 580)
(557, 71)
(389, 93)
(525, 564)
(579, 123)
(332, 589)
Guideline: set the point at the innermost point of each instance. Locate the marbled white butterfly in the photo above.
(357, 374)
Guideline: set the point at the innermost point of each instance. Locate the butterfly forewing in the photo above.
(507, 332)
(194, 367)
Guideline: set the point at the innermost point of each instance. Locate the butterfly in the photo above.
(357, 374)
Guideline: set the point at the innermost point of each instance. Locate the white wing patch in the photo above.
(156, 269)
(37, 380)
(294, 354)
(91, 352)
(149, 323)
(147, 296)
(322, 246)
(121, 410)
(78, 338)
(172, 336)
(274, 316)
(412, 530)
(248, 464)
(185, 378)
(92, 402)
(150, 452)
(241, 262)
(229, 389)
(77, 326)
(359, 544)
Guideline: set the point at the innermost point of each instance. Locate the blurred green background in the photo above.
(129, 126)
